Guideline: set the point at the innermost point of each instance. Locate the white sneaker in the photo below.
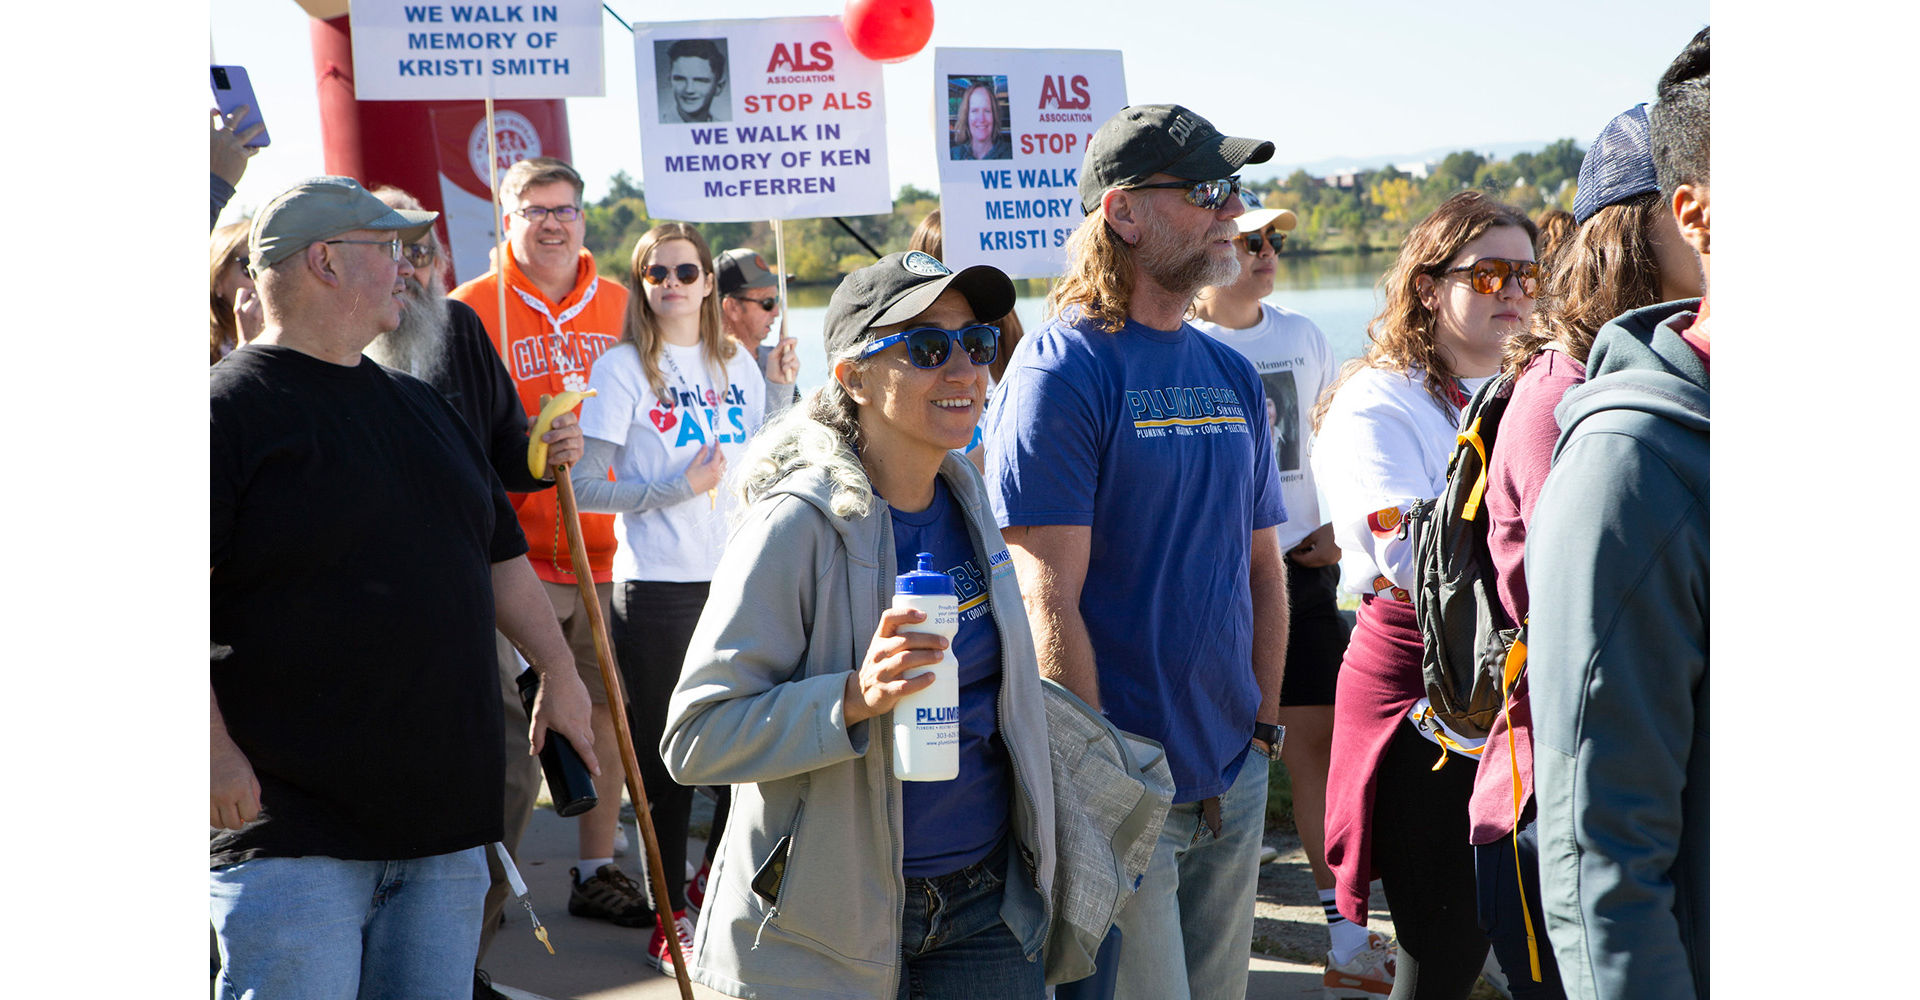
(1368, 974)
(1495, 976)
(621, 845)
(1269, 854)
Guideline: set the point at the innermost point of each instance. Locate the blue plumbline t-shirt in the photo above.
(1159, 442)
(953, 824)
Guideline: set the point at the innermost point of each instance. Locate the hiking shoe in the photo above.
(483, 987)
(1368, 974)
(657, 948)
(609, 895)
(697, 889)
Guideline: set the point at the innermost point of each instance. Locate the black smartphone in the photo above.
(766, 881)
(231, 88)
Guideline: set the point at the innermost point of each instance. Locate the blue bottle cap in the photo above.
(925, 580)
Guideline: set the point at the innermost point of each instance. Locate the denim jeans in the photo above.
(1189, 926)
(318, 928)
(955, 946)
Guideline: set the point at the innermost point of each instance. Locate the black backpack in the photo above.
(1464, 654)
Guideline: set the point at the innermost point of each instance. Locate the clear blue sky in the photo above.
(1321, 80)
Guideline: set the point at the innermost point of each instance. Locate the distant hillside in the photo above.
(1275, 169)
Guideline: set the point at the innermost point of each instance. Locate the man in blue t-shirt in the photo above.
(1131, 468)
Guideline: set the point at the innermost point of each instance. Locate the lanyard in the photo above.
(711, 412)
(558, 338)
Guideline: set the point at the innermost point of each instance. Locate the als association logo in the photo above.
(1065, 93)
(514, 138)
(662, 416)
(788, 58)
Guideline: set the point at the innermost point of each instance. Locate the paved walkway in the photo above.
(595, 960)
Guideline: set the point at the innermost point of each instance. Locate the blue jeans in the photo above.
(955, 946)
(320, 928)
(1189, 926)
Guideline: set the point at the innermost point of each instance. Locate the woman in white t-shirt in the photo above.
(678, 399)
(1464, 284)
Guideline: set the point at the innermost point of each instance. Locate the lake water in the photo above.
(1336, 291)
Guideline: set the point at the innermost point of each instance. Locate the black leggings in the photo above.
(652, 625)
(1425, 864)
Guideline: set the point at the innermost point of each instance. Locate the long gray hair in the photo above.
(821, 430)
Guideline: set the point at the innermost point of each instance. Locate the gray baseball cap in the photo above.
(900, 286)
(740, 269)
(1147, 139)
(319, 208)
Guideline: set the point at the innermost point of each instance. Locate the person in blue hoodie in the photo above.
(1617, 561)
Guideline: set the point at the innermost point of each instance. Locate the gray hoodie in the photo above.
(1618, 653)
(794, 602)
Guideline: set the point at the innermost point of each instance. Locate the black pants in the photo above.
(1500, 916)
(1425, 864)
(652, 624)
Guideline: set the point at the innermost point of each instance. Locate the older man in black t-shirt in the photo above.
(362, 552)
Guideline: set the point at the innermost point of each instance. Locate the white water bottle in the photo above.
(926, 723)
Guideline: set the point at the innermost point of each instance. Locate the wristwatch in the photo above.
(1273, 736)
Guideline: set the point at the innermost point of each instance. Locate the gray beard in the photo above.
(1183, 269)
(418, 346)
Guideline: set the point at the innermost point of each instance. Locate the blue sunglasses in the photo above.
(929, 346)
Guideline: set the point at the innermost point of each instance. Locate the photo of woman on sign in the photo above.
(976, 107)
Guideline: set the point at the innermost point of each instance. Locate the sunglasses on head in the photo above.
(929, 346)
(686, 274)
(1210, 195)
(770, 303)
(1252, 241)
(1489, 274)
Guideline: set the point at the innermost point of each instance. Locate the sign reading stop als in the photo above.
(450, 50)
(772, 118)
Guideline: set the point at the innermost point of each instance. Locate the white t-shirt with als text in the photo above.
(1295, 363)
(658, 438)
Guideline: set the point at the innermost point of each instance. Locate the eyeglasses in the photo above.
(1252, 241)
(393, 245)
(1210, 195)
(686, 274)
(537, 213)
(930, 346)
(770, 303)
(1489, 274)
(421, 254)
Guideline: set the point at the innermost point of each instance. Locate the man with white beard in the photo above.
(1131, 469)
(443, 343)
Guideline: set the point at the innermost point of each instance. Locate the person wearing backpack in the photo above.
(1625, 254)
(1463, 284)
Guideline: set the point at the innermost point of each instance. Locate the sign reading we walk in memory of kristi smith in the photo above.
(451, 50)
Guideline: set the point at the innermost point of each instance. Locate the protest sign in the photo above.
(1014, 127)
(776, 118)
(450, 50)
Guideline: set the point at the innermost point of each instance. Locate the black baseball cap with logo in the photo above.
(1147, 139)
(900, 286)
(740, 269)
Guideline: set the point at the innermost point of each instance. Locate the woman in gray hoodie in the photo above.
(835, 878)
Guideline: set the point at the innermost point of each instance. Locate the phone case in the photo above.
(238, 91)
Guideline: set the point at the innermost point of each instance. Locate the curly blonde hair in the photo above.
(642, 327)
(1401, 338)
(1606, 267)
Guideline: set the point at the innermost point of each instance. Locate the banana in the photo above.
(536, 448)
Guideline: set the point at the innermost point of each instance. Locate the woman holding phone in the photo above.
(1398, 780)
(677, 401)
(836, 878)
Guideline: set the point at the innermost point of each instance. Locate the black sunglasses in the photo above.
(1252, 241)
(929, 346)
(421, 254)
(1210, 195)
(770, 303)
(686, 274)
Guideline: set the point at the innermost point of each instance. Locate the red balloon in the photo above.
(888, 30)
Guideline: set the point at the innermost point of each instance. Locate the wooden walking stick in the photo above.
(616, 701)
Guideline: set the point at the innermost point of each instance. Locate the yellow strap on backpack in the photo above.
(1471, 508)
(1509, 674)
